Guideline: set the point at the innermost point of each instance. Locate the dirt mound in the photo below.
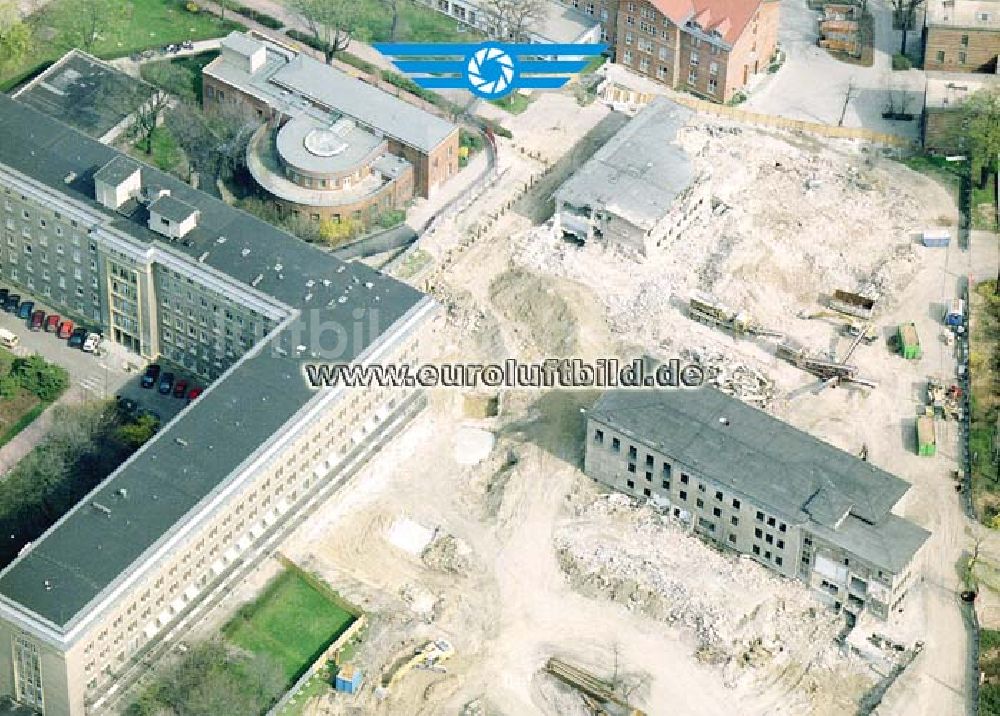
(543, 318)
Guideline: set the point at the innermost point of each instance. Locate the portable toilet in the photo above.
(348, 679)
(926, 440)
(955, 316)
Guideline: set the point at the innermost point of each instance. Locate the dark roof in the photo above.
(783, 469)
(86, 93)
(89, 549)
(170, 208)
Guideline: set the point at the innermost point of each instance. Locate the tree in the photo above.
(138, 432)
(336, 232)
(981, 116)
(82, 23)
(15, 35)
(393, 5)
(36, 375)
(905, 11)
(215, 142)
(330, 22)
(144, 103)
(516, 19)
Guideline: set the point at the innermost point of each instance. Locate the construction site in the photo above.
(497, 578)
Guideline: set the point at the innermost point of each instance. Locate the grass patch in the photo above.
(165, 153)
(293, 621)
(22, 422)
(984, 209)
(515, 102)
(417, 23)
(989, 665)
(193, 65)
(148, 24)
(984, 361)
(594, 64)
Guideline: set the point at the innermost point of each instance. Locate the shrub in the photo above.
(390, 218)
(306, 39)
(738, 98)
(192, 7)
(355, 61)
(36, 375)
(901, 62)
(262, 17)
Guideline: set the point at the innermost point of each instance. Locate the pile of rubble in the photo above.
(739, 613)
(738, 379)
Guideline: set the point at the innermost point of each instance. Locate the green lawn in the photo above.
(515, 103)
(292, 621)
(417, 23)
(149, 24)
(166, 154)
(19, 411)
(984, 205)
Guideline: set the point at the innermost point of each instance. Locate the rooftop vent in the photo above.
(724, 420)
(221, 240)
(182, 442)
(257, 279)
(101, 508)
(278, 266)
(245, 252)
(68, 179)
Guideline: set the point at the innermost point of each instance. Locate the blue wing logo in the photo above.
(490, 70)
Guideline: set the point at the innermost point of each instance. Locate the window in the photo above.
(684, 479)
(769, 538)
(736, 504)
(628, 38)
(693, 76)
(661, 73)
(760, 516)
(599, 437)
(701, 487)
(632, 452)
(778, 561)
(756, 550)
(646, 492)
(649, 476)
(616, 445)
(700, 502)
(782, 527)
(649, 461)
(713, 85)
(27, 672)
(807, 541)
(767, 555)
(713, 69)
(663, 53)
(631, 467)
(940, 55)
(666, 470)
(717, 512)
(683, 495)
(758, 533)
(718, 495)
(734, 520)
(666, 484)
(631, 485)
(771, 522)
(694, 58)
(965, 40)
(732, 538)
(781, 544)
(962, 58)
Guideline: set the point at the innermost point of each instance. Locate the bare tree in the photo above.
(145, 103)
(516, 19)
(393, 5)
(330, 22)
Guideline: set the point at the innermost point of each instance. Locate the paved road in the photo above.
(812, 85)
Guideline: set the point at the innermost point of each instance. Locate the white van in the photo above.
(8, 339)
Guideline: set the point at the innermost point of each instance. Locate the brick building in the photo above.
(749, 483)
(708, 47)
(961, 36)
(277, 84)
(169, 271)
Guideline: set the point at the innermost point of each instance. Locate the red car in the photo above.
(65, 329)
(37, 319)
(52, 323)
(195, 392)
(180, 388)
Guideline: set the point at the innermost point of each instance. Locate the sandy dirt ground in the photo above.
(526, 558)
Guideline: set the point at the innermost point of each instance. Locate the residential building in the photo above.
(749, 483)
(278, 84)
(169, 271)
(961, 35)
(639, 190)
(560, 24)
(605, 11)
(711, 48)
(944, 125)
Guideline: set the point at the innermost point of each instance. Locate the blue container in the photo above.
(937, 239)
(348, 679)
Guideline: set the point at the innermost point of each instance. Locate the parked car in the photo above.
(91, 342)
(166, 383)
(77, 337)
(150, 376)
(195, 392)
(37, 320)
(52, 323)
(65, 329)
(25, 310)
(180, 388)
(11, 303)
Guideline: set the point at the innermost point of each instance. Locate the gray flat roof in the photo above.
(948, 90)
(639, 173)
(354, 144)
(88, 551)
(983, 14)
(172, 208)
(290, 82)
(564, 24)
(77, 90)
(890, 544)
(117, 170)
(783, 469)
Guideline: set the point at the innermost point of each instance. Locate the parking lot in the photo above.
(113, 371)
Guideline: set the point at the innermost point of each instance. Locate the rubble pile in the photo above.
(738, 613)
(738, 379)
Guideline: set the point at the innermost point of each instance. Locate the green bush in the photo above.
(901, 62)
(306, 39)
(391, 218)
(262, 17)
(36, 375)
(355, 61)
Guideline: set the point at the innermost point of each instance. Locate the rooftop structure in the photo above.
(948, 90)
(86, 93)
(982, 14)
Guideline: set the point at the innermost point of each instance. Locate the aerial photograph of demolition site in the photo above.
(768, 226)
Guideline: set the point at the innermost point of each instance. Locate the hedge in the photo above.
(262, 17)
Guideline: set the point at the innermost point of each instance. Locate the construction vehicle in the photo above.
(831, 372)
(709, 310)
(868, 332)
(596, 692)
(909, 341)
(426, 657)
(852, 304)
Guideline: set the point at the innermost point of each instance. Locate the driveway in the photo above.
(813, 86)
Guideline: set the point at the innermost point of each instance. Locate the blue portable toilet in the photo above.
(348, 679)
(955, 315)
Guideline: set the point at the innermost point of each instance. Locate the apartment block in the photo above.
(708, 47)
(961, 36)
(170, 271)
(278, 84)
(749, 483)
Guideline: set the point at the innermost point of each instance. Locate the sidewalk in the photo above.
(32, 436)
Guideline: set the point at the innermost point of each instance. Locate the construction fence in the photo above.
(617, 95)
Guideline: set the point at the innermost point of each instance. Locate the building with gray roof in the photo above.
(639, 190)
(555, 24)
(753, 484)
(275, 81)
(230, 298)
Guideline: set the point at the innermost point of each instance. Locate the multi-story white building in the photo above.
(169, 271)
(749, 483)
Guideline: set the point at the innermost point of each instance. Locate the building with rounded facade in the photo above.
(324, 167)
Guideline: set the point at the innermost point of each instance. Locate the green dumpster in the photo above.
(926, 441)
(909, 343)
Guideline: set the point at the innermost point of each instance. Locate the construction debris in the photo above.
(733, 378)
